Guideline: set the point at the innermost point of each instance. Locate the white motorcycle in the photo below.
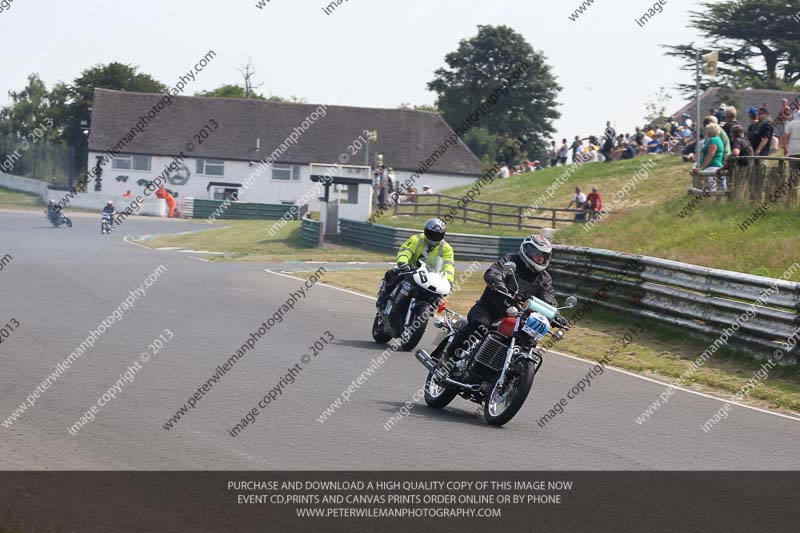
(413, 301)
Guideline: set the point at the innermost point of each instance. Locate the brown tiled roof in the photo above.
(405, 137)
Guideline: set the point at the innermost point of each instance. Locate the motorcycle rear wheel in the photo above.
(501, 406)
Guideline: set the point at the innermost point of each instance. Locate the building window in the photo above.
(345, 194)
(286, 172)
(223, 193)
(211, 167)
(131, 162)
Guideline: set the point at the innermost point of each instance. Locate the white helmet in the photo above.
(536, 251)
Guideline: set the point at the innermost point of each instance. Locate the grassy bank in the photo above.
(19, 200)
(656, 351)
(250, 241)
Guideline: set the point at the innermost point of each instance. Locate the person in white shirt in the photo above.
(504, 172)
(791, 146)
(579, 199)
(427, 189)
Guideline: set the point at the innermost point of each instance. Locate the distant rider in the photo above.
(53, 210)
(428, 247)
(534, 280)
(111, 210)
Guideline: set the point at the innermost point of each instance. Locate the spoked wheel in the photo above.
(503, 403)
(378, 332)
(437, 396)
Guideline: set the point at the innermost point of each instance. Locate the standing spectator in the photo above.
(784, 116)
(608, 146)
(720, 114)
(552, 154)
(740, 146)
(577, 148)
(752, 130)
(730, 120)
(562, 152)
(712, 155)
(687, 120)
(579, 199)
(766, 130)
(791, 147)
(726, 141)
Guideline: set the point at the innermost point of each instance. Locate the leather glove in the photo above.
(404, 268)
(561, 322)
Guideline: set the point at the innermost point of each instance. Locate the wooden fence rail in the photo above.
(436, 205)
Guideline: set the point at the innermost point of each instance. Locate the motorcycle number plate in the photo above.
(533, 333)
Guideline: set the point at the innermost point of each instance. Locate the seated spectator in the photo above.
(504, 172)
(427, 189)
(712, 159)
(594, 203)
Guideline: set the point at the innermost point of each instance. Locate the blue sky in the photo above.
(605, 62)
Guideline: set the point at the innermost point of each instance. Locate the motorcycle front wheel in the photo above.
(69, 222)
(411, 335)
(437, 396)
(503, 404)
(378, 334)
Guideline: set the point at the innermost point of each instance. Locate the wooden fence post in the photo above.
(554, 218)
(491, 209)
(519, 217)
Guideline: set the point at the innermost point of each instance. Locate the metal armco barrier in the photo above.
(311, 233)
(238, 211)
(700, 300)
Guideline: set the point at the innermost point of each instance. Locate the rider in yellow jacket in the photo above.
(428, 247)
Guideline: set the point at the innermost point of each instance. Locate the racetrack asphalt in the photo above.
(61, 283)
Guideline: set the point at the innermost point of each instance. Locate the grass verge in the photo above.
(10, 199)
(249, 241)
(655, 352)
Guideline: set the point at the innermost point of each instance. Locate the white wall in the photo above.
(263, 190)
(439, 182)
(18, 183)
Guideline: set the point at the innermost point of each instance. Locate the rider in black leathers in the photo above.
(533, 278)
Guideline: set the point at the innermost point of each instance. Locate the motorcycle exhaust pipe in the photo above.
(425, 359)
(430, 364)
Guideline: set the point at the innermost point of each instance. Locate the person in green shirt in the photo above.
(713, 156)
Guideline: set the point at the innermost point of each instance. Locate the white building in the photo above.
(264, 151)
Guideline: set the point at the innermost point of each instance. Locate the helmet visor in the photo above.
(537, 256)
(434, 236)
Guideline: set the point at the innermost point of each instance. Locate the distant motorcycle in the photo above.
(58, 218)
(496, 370)
(106, 224)
(416, 295)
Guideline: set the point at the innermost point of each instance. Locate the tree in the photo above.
(482, 143)
(498, 61)
(79, 95)
(757, 42)
(247, 73)
(229, 91)
(423, 107)
(656, 106)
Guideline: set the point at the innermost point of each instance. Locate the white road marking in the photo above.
(127, 238)
(588, 361)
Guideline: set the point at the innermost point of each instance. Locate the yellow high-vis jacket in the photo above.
(440, 259)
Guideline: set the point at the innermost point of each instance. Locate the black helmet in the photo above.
(536, 251)
(435, 229)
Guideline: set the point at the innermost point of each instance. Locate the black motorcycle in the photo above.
(407, 309)
(58, 218)
(497, 368)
